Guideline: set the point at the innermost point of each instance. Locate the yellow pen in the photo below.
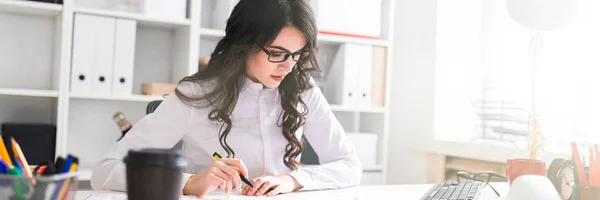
(4, 154)
(218, 157)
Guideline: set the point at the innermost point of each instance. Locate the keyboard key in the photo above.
(463, 193)
(431, 192)
(448, 192)
(455, 194)
(471, 195)
(440, 193)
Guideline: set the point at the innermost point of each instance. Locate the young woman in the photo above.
(253, 102)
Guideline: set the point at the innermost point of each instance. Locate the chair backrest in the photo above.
(151, 107)
(309, 156)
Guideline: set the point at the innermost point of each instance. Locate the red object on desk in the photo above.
(592, 168)
(516, 167)
(583, 182)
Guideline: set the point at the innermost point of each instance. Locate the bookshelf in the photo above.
(35, 72)
(28, 92)
(141, 19)
(30, 8)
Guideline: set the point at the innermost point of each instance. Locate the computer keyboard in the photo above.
(454, 190)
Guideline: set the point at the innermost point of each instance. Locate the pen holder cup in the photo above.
(586, 193)
(55, 187)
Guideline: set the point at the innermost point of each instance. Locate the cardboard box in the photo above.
(158, 89)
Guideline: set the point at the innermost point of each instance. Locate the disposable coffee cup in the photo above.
(154, 174)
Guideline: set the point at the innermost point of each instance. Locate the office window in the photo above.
(483, 86)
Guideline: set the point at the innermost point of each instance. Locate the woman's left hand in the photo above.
(278, 184)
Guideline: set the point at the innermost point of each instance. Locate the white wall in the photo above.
(412, 90)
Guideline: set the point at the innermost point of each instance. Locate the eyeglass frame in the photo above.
(287, 54)
(473, 177)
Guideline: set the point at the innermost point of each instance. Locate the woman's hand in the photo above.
(278, 184)
(221, 175)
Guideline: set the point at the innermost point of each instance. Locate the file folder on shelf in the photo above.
(93, 45)
(338, 87)
(364, 63)
(124, 54)
(348, 82)
(83, 57)
(104, 37)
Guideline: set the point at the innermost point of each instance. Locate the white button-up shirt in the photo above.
(255, 137)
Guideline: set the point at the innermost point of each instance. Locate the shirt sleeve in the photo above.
(340, 166)
(163, 128)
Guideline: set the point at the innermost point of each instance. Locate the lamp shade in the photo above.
(542, 15)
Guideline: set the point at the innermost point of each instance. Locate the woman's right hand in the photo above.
(220, 175)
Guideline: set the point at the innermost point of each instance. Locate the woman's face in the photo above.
(260, 70)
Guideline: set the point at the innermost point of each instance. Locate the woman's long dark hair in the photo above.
(258, 22)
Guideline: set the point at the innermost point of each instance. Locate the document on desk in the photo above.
(313, 195)
(124, 197)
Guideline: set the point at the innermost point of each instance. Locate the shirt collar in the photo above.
(250, 85)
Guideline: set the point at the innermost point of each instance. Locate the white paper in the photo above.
(219, 195)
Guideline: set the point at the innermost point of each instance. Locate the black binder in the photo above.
(37, 141)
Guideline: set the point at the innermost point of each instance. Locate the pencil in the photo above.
(21, 158)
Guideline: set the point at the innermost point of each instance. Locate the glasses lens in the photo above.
(484, 177)
(295, 57)
(278, 57)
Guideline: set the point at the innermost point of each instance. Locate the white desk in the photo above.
(405, 192)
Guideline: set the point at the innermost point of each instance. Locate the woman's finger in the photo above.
(257, 182)
(236, 163)
(222, 184)
(273, 192)
(263, 189)
(219, 173)
(215, 181)
(229, 186)
(226, 169)
(246, 190)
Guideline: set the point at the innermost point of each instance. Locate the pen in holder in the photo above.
(55, 187)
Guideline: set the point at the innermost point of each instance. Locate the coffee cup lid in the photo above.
(155, 157)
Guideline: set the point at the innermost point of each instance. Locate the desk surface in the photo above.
(408, 192)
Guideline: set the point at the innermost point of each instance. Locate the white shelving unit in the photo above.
(141, 19)
(26, 7)
(35, 68)
(28, 92)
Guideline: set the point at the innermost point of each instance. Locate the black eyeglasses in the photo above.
(282, 56)
(483, 177)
